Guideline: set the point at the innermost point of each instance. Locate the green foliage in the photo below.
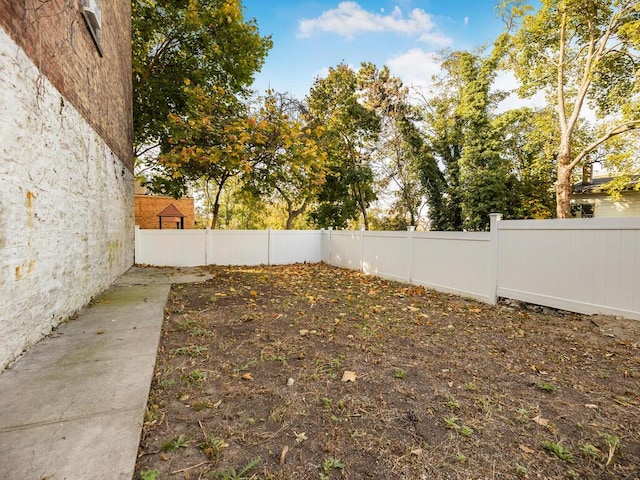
(202, 42)
(558, 450)
(175, 443)
(349, 130)
(149, 474)
(580, 54)
(241, 474)
(330, 464)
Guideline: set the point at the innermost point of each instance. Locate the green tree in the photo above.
(350, 129)
(485, 176)
(208, 43)
(476, 177)
(528, 142)
(294, 172)
(581, 52)
(399, 148)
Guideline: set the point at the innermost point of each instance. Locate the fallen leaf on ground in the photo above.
(247, 376)
(349, 376)
(540, 421)
(526, 449)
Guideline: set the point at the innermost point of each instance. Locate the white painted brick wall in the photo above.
(66, 207)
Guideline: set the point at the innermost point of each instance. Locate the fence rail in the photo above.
(582, 265)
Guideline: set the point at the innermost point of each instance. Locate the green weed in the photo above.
(558, 450)
(175, 443)
(547, 387)
(149, 474)
(400, 374)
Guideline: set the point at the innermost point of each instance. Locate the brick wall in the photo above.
(54, 35)
(147, 208)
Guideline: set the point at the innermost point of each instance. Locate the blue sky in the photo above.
(311, 36)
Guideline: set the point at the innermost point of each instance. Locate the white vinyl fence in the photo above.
(189, 248)
(582, 265)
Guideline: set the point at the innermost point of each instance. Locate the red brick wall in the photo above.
(55, 36)
(147, 208)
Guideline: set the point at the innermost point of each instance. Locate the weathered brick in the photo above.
(55, 36)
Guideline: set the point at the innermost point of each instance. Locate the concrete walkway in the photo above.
(72, 407)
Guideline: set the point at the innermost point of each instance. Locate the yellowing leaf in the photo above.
(540, 421)
(349, 376)
(526, 449)
(247, 376)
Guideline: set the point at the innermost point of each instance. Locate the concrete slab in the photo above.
(73, 405)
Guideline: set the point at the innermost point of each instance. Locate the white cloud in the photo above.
(350, 19)
(466, 21)
(507, 82)
(415, 68)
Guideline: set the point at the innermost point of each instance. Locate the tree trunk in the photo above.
(563, 186)
(293, 214)
(216, 209)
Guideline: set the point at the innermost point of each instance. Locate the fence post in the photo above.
(329, 247)
(493, 258)
(362, 249)
(410, 230)
(269, 246)
(207, 238)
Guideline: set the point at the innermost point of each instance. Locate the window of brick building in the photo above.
(93, 17)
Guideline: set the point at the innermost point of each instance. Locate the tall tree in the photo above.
(485, 175)
(476, 178)
(206, 42)
(295, 169)
(581, 52)
(350, 130)
(400, 145)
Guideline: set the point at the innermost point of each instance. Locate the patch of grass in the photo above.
(212, 446)
(166, 383)
(590, 450)
(330, 464)
(612, 442)
(452, 423)
(175, 443)
(149, 474)
(521, 471)
(461, 457)
(192, 350)
(466, 431)
(194, 377)
(232, 474)
(453, 404)
(558, 450)
(400, 373)
(547, 387)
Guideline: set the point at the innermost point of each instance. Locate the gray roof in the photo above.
(597, 184)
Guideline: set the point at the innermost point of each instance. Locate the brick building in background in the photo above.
(149, 208)
(66, 167)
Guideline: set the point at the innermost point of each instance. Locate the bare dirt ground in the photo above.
(314, 372)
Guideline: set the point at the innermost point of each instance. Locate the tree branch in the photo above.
(618, 130)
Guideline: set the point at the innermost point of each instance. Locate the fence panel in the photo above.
(290, 246)
(583, 265)
(387, 254)
(453, 262)
(346, 249)
(238, 247)
(171, 248)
